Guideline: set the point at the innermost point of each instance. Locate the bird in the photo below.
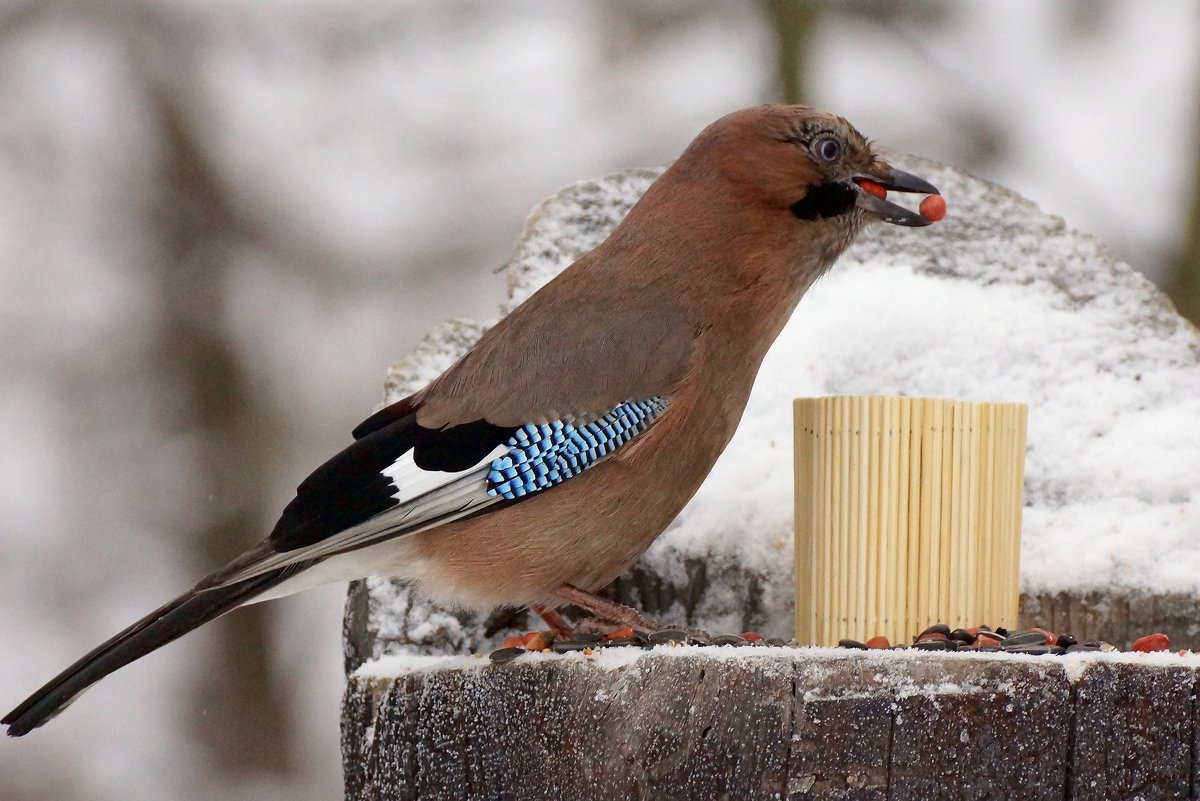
(541, 464)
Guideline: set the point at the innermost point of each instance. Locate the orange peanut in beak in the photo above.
(933, 207)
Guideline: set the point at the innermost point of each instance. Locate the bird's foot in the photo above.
(562, 628)
(564, 635)
(610, 622)
(605, 610)
(554, 619)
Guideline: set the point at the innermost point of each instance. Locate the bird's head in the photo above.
(814, 164)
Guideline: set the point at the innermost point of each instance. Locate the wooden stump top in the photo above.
(773, 723)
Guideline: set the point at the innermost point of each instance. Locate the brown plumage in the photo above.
(674, 311)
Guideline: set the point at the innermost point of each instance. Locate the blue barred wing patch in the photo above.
(541, 456)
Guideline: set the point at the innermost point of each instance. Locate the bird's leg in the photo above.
(605, 609)
(553, 618)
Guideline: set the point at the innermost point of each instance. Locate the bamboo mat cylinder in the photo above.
(908, 513)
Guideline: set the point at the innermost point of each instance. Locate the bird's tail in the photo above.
(165, 624)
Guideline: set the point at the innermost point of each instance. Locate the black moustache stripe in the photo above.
(826, 200)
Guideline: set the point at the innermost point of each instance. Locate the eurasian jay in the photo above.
(547, 459)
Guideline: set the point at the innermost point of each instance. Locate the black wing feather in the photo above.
(346, 490)
(350, 488)
(460, 447)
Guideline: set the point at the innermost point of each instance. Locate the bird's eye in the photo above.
(828, 149)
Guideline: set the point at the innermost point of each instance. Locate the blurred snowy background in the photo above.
(221, 221)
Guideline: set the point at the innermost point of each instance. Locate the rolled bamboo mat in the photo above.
(908, 513)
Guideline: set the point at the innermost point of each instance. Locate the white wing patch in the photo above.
(411, 482)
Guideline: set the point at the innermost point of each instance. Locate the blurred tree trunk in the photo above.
(792, 23)
(1184, 285)
(242, 716)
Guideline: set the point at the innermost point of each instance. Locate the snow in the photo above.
(891, 667)
(397, 615)
(999, 302)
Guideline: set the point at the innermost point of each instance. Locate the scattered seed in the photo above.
(619, 634)
(932, 645)
(1048, 635)
(663, 636)
(1023, 638)
(938, 637)
(617, 642)
(1151, 642)
(729, 639)
(540, 641)
(502, 655)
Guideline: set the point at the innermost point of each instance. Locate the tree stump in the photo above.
(773, 723)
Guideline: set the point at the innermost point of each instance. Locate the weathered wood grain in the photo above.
(1133, 733)
(841, 743)
(990, 729)
(775, 724)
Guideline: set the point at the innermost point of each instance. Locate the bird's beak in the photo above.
(872, 195)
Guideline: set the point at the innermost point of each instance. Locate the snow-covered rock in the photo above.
(1000, 302)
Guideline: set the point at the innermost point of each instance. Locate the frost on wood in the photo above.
(998, 302)
(766, 723)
